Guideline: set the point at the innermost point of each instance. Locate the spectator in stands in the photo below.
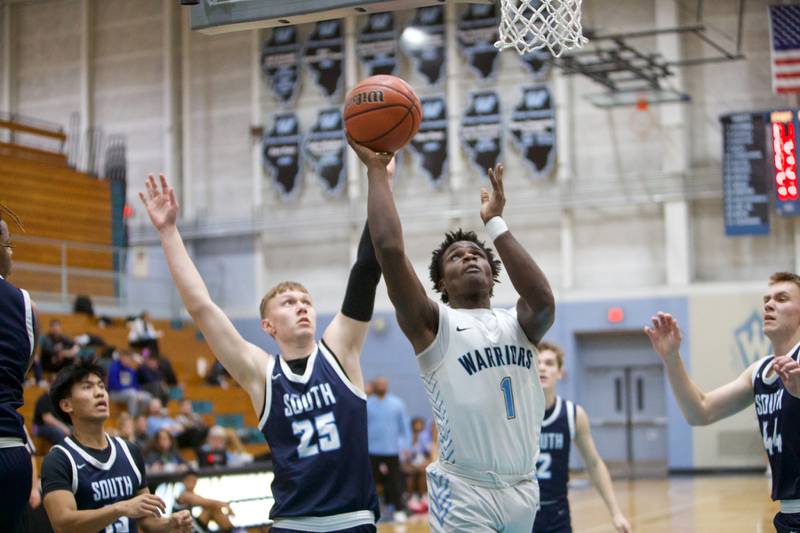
(215, 510)
(46, 424)
(236, 454)
(157, 419)
(140, 437)
(387, 429)
(162, 455)
(214, 451)
(415, 459)
(151, 379)
(194, 427)
(123, 385)
(57, 350)
(143, 334)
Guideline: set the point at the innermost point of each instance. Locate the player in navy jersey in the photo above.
(17, 343)
(310, 398)
(565, 423)
(91, 481)
(772, 383)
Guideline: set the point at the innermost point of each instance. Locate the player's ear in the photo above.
(66, 405)
(268, 326)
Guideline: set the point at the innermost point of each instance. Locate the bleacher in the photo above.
(182, 344)
(55, 203)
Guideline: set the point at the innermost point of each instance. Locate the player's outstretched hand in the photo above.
(492, 204)
(665, 335)
(621, 524)
(142, 506)
(369, 156)
(789, 371)
(161, 205)
(181, 522)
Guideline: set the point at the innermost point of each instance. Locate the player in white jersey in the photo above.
(479, 364)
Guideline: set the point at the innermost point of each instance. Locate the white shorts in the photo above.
(458, 506)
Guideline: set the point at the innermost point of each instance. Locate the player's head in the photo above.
(287, 312)
(782, 305)
(463, 264)
(79, 392)
(551, 364)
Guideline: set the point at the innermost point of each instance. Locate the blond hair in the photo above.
(549, 346)
(280, 288)
(779, 277)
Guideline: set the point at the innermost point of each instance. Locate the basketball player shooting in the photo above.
(772, 382)
(478, 364)
(310, 398)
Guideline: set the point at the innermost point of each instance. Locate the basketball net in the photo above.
(529, 25)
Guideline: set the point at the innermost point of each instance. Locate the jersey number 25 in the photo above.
(328, 435)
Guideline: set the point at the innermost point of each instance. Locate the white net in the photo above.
(529, 25)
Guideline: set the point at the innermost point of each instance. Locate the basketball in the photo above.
(382, 113)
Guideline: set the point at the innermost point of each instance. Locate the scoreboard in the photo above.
(759, 169)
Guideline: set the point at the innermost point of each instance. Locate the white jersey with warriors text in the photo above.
(482, 380)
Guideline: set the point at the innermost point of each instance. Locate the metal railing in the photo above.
(127, 286)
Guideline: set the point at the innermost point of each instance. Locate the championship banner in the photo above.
(280, 151)
(325, 54)
(480, 130)
(377, 44)
(280, 60)
(425, 47)
(429, 145)
(533, 129)
(324, 147)
(477, 33)
(538, 63)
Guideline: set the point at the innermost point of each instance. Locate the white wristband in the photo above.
(496, 227)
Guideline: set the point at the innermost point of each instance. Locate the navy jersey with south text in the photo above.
(778, 414)
(16, 348)
(96, 483)
(316, 427)
(552, 466)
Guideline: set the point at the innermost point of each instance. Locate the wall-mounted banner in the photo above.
(423, 42)
(477, 33)
(280, 152)
(429, 145)
(533, 129)
(377, 44)
(324, 147)
(480, 130)
(539, 63)
(325, 54)
(280, 63)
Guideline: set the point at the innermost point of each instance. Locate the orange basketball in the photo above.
(382, 113)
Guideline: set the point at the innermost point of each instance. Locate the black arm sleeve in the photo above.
(359, 298)
(56, 472)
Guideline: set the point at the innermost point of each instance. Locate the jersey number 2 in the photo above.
(328, 440)
(508, 396)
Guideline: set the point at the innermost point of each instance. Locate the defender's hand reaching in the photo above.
(492, 204)
(162, 207)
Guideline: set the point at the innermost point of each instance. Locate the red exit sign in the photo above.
(784, 155)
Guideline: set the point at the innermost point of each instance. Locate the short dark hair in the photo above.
(69, 376)
(451, 237)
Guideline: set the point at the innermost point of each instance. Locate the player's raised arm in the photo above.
(245, 361)
(536, 306)
(597, 469)
(348, 329)
(417, 315)
(699, 408)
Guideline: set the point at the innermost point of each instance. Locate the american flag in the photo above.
(785, 36)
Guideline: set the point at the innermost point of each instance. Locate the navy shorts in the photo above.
(553, 518)
(357, 529)
(787, 523)
(16, 474)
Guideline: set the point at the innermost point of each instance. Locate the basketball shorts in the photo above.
(553, 517)
(357, 529)
(787, 523)
(15, 488)
(456, 505)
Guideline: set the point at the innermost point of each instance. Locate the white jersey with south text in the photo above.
(481, 377)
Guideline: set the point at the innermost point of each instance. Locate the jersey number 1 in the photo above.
(508, 396)
(328, 435)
